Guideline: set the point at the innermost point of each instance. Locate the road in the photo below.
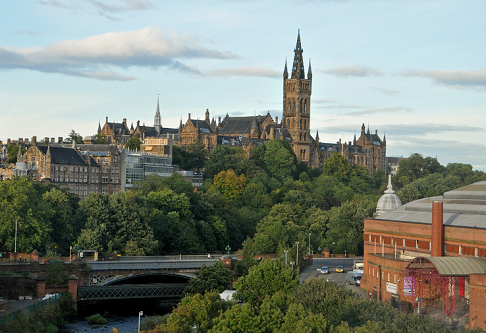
(339, 278)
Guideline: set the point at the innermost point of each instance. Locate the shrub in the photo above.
(151, 323)
(96, 319)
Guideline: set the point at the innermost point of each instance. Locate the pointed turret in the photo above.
(99, 126)
(48, 153)
(180, 124)
(384, 140)
(354, 140)
(309, 72)
(286, 72)
(213, 124)
(368, 133)
(298, 65)
(157, 119)
(317, 136)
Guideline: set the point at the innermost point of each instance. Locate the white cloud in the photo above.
(129, 5)
(386, 92)
(91, 56)
(356, 70)
(381, 110)
(28, 32)
(460, 79)
(245, 71)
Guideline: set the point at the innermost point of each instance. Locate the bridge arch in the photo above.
(151, 276)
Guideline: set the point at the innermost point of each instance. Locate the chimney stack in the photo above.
(276, 120)
(437, 237)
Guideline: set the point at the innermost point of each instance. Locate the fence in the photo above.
(31, 308)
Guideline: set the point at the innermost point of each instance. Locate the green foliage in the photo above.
(13, 151)
(100, 139)
(56, 274)
(198, 155)
(280, 159)
(266, 278)
(96, 319)
(211, 278)
(195, 314)
(133, 143)
(151, 322)
(223, 158)
(76, 137)
(229, 184)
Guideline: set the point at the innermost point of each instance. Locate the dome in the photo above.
(388, 201)
(21, 166)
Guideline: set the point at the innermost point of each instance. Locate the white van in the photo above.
(358, 265)
(354, 277)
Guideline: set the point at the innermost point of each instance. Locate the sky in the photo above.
(414, 70)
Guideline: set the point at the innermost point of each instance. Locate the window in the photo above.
(396, 279)
(115, 159)
(62, 168)
(71, 168)
(388, 277)
(105, 160)
(56, 167)
(105, 180)
(76, 169)
(373, 272)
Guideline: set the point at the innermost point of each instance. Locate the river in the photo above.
(121, 314)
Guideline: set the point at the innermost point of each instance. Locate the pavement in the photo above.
(14, 305)
(339, 278)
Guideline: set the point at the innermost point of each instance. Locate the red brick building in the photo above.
(431, 253)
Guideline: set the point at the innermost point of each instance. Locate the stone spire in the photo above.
(317, 136)
(286, 72)
(157, 119)
(309, 72)
(99, 126)
(180, 124)
(298, 65)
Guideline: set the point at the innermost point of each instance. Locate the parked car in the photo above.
(340, 269)
(324, 270)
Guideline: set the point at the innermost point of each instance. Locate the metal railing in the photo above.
(149, 265)
(171, 257)
(132, 291)
(31, 308)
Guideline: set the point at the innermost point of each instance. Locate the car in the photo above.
(340, 269)
(324, 270)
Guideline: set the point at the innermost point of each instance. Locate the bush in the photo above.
(151, 323)
(96, 319)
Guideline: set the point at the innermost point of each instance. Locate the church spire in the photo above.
(298, 65)
(157, 120)
(99, 126)
(317, 136)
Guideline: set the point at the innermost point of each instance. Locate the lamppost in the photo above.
(16, 239)
(309, 243)
(70, 249)
(286, 256)
(139, 314)
(297, 257)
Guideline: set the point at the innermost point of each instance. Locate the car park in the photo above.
(324, 270)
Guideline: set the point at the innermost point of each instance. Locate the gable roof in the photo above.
(233, 125)
(62, 155)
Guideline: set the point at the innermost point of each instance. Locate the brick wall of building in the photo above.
(477, 291)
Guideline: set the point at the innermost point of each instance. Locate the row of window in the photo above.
(426, 245)
(371, 272)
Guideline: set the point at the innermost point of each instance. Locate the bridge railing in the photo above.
(149, 265)
(172, 257)
(131, 291)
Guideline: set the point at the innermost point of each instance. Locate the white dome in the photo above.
(388, 201)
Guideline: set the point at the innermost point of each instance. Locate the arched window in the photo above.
(301, 124)
(288, 122)
(289, 105)
(305, 106)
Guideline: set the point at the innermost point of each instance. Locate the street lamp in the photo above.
(309, 243)
(297, 257)
(16, 239)
(139, 314)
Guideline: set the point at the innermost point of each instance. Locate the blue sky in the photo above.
(413, 70)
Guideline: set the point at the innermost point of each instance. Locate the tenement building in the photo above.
(429, 255)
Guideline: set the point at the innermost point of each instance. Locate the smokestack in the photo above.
(437, 237)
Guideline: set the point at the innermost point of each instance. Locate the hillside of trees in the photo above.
(272, 300)
(268, 200)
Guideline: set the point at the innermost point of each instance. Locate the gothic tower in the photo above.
(157, 120)
(296, 104)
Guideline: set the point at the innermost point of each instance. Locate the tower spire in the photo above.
(285, 73)
(298, 65)
(309, 71)
(157, 120)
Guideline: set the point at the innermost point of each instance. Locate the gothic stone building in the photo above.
(368, 150)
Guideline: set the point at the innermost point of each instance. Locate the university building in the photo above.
(294, 126)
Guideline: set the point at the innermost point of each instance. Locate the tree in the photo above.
(100, 139)
(229, 184)
(76, 137)
(211, 278)
(199, 154)
(223, 158)
(195, 313)
(133, 143)
(280, 159)
(267, 278)
(21, 201)
(338, 167)
(13, 151)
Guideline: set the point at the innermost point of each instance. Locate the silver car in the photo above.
(324, 270)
